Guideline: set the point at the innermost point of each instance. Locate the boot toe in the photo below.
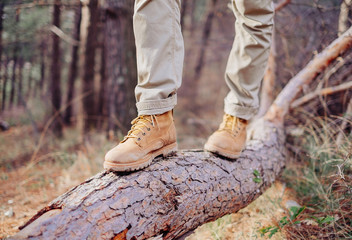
(121, 155)
(220, 140)
(224, 144)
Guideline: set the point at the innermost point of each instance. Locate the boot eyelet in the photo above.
(148, 129)
(138, 139)
(143, 134)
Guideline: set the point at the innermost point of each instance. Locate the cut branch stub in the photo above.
(171, 197)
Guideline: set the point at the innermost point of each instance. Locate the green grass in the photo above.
(321, 176)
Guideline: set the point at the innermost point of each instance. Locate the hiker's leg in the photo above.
(160, 53)
(249, 56)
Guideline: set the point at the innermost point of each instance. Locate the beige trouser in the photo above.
(160, 54)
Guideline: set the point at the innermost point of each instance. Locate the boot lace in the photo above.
(232, 123)
(139, 125)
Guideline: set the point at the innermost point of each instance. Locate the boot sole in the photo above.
(143, 163)
(221, 152)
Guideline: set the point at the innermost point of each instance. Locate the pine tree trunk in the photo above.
(13, 77)
(30, 81)
(103, 91)
(89, 105)
(3, 103)
(120, 64)
(73, 72)
(20, 83)
(15, 60)
(56, 72)
(41, 82)
(2, 5)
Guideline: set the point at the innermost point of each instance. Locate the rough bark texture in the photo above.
(14, 64)
(73, 65)
(344, 21)
(2, 5)
(121, 69)
(4, 86)
(43, 51)
(55, 84)
(103, 91)
(20, 83)
(169, 198)
(89, 63)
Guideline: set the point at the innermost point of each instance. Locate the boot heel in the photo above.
(169, 150)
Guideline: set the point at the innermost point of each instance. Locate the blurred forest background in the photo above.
(67, 78)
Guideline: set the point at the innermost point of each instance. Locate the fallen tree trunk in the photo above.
(170, 197)
(175, 195)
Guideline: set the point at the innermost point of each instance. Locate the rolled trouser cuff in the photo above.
(240, 111)
(153, 107)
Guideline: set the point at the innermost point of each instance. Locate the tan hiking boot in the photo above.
(150, 136)
(229, 139)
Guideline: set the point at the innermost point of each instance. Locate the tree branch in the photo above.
(281, 104)
(64, 36)
(321, 92)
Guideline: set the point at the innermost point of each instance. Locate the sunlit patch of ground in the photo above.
(267, 210)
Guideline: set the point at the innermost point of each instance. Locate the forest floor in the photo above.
(302, 204)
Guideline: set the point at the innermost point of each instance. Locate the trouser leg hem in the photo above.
(152, 107)
(240, 111)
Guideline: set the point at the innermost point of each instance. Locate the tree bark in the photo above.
(14, 65)
(103, 91)
(2, 5)
(55, 85)
(20, 83)
(5, 77)
(121, 69)
(13, 76)
(344, 21)
(30, 81)
(89, 106)
(43, 51)
(73, 72)
(177, 194)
